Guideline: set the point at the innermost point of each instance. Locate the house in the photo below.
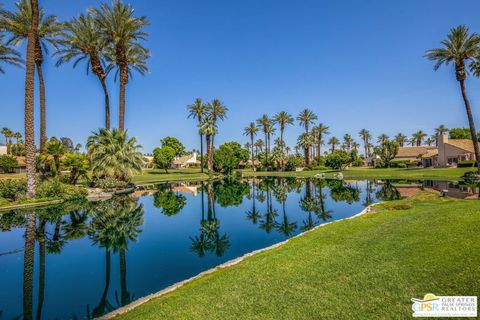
(148, 163)
(424, 155)
(21, 165)
(189, 160)
(3, 149)
(453, 151)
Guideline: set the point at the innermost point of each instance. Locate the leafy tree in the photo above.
(461, 47)
(387, 151)
(175, 144)
(114, 155)
(382, 138)
(230, 192)
(78, 165)
(401, 139)
(306, 117)
(8, 163)
(198, 110)
(55, 148)
(163, 157)
(228, 157)
(461, 133)
(338, 160)
(333, 142)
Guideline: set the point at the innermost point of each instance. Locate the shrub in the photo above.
(55, 189)
(399, 164)
(8, 163)
(337, 160)
(13, 189)
(467, 164)
(109, 183)
(293, 162)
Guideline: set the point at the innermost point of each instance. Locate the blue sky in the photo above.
(355, 63)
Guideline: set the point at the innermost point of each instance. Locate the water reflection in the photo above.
(205, 224)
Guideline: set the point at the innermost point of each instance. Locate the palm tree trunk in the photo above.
(471, 123)
(107, 103)
(266, 146)
(123, 278)
(41, 274)
(123, 84)
(210, 159)
(29, 103)
(43, 109)
(201, 153)
(209, 165)
(28, 264)
(251, 147)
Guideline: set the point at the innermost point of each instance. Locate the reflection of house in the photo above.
(190, 189)
(186, 161)
(453, 189)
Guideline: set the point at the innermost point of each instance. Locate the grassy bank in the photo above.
(373, 173)
(368, 267)
(157, 175)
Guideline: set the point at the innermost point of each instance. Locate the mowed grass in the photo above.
(374, 173)
(364, 268)
(157, 175)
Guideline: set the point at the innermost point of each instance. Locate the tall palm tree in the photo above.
(305, 142)
(258, 146)
(366, 136)
(82, 41)
(419, 136)
(8, 134)
(401, 139)
(347, 140)
(306, 117)
(430, 141)
(355, 146)
(460, 47)
(9, 55)
(439, 131)
(48, 29)
(265, 123)
(216, 111)
(209, 128)
(121, 30)
(251, 131)
(198, 110)
(320, 131)
(382, 138)
(283, 119)
(333, 142)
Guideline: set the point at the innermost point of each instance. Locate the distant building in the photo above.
(189, 160)
(3, 150)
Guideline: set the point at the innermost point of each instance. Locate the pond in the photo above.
(83, 260)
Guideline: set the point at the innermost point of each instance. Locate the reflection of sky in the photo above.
(75, 278)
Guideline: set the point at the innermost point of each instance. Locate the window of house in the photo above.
(452, 160)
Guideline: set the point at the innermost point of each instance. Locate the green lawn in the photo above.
(12, 175)
(373, 173)
(364, 268)
(157, 175)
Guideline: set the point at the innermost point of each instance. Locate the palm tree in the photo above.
(419, 136)
(258, 146)
(401, 139)
(347, 140)
(251, 131)
(320, 131)
(47, 31)
(459, 48)
(82, 41)
(216, 110)
(209, 128)
(114, 155)
(283, 119)
(333, 142)
(198, 110)
(430, 141)
(382, 138)
(9, 55)
(305, 142)
(8, 134)
(305, 118)
(29, 102)
(355, 146)
(266, 124)
(366, 136)
(439, 131)
(121, 31)
(55, 149)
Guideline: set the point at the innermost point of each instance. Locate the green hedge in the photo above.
(467, 164)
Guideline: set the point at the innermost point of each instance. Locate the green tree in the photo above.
(419, 136)
(8, 134)
(347, 141)
(47, 31)
(198, 110)
(82, 41)
(461, 133)
(55, 148)
(283, 119)
(163, 157)
(305, 142)
(401, 139)
(9, 55)
(8, 163)
(114, 155)
(175, 144)
(228, 157)
(170, 202)
(78, 165)
(216, 111)
(366, 137)
(306, 117)
(320, 131)
(460, 47)
(338, 160)
(121, 31)
(387, 151)
(382, 138)
(265, 123)
(251, 131)
(333, 142)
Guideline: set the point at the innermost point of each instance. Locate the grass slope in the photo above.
(157, 175)
(365, 268)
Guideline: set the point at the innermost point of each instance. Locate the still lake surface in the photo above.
(80, 261)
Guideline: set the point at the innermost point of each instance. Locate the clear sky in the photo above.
(357, 64)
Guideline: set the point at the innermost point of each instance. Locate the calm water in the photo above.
(84, 260)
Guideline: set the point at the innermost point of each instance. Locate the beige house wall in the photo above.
(446, 151)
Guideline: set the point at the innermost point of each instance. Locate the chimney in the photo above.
(442, 139)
